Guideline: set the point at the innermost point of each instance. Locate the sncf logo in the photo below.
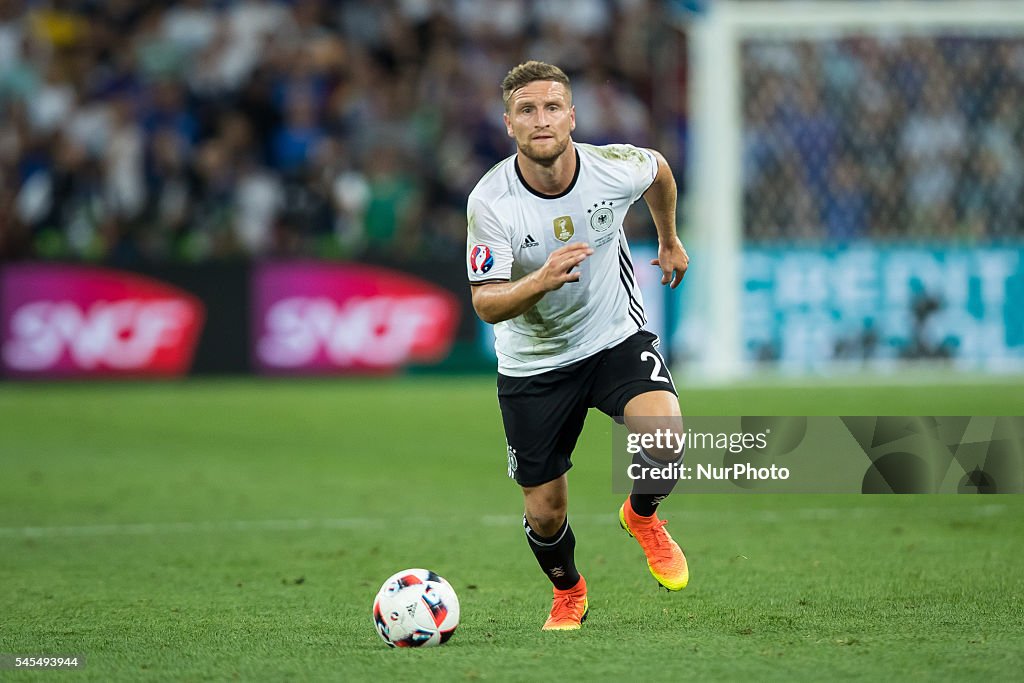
(324, 317)
(117, 335)
(63, 322)
(377, 332)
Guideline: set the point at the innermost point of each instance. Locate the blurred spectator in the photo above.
(846, 212)
(298, 135)
(202, 129)
(895, 137)
(392, 219)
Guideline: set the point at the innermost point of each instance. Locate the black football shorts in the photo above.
(544, 414)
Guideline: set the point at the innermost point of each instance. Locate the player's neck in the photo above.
(552, 179)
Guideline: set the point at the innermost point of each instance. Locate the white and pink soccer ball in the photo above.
(416, 608)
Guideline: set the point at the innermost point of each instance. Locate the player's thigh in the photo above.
(543, 417)
(632, 369)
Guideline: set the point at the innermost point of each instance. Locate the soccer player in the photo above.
(549, 266)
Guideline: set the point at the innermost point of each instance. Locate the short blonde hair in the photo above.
(528, 72)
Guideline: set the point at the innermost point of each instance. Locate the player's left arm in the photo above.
(661, 199)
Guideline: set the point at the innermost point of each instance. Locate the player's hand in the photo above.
(673, 261)
(558, 269)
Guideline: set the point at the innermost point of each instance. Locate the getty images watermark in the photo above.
(667, 440)
(794, 454)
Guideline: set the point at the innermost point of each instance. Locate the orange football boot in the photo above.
(569, 608)
(664, 557)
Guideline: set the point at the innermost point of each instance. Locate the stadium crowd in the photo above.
(142, 131)
(185, 131)
(884, 137)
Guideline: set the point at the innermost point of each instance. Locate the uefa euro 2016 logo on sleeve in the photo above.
(480, 259)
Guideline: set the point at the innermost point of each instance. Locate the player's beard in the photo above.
(545, 157)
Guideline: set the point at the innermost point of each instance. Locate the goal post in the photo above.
(711, 342)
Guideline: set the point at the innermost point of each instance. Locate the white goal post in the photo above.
(714, 205)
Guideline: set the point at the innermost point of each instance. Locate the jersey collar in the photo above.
(575, 177)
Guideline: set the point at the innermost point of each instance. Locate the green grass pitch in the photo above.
(238, 530)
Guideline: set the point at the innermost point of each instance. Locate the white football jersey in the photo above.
(512, 229)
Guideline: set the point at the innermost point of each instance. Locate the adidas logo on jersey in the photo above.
(529, 242)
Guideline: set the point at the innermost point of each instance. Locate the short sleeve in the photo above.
(648, 171)
(639, 163)
(488, 245)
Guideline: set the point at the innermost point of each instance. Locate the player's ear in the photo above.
(508, 125)
(572, 118)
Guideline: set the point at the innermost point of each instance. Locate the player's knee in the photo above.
(671, 449)
(546, 525)
(661, 437)
(546, 516)
(546, 506)
(660, 457)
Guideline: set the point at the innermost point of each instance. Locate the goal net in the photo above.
(856, 194)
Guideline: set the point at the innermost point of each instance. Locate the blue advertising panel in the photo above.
(806, 309)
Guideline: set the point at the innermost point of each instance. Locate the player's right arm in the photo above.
(498, 301)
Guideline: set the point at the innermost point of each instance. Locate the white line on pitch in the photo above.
(157, 528)
(153, 528)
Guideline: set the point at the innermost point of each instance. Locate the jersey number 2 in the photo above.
(655, 373)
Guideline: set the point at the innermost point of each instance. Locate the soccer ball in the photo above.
(416, 608)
